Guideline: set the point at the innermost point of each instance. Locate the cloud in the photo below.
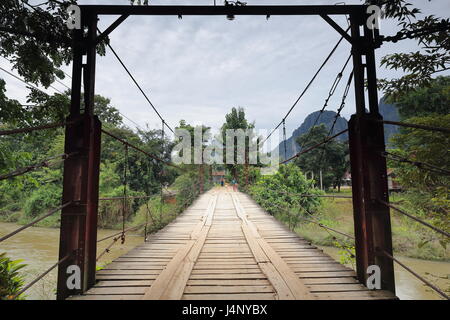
(198, 68)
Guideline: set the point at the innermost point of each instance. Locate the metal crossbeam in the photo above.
(223, 10)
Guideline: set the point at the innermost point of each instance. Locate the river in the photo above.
(409, 287)
(38, 248)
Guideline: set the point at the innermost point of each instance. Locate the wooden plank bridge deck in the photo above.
(224, 246)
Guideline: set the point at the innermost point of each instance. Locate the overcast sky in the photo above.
(198, 68)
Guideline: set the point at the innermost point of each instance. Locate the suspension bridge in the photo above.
(224, 246)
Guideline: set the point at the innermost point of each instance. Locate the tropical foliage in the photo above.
(280, 194)
(11, 279)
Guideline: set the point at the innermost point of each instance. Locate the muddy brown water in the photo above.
(409, 287)
(38, 248)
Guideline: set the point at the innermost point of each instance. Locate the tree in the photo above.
(424, 101)
(205, 137)
(433, 38)
(427, 191)
(37, 42)
(329, 158)
(233, 121)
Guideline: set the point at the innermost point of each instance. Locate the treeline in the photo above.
(28, 196)
(419, 158)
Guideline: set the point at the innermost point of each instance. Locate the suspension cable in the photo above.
(107, 249)
(43, 163)
(36, 128)
(137, 84)
(120, 232)
(428, 283)
(28, 286)
(29, 84)
(140, 150)
(125, 199)
(338, 113)
(315, 195)
(341, 107)
(414, 218)
(418, 164)
(326, 228)
(415, 126)
(121, 198)
(318, 223)
(161, 174)
(51, 212)
(314, 146)
(148, 213)
(333, 88)
(307, 87)
(284, 139)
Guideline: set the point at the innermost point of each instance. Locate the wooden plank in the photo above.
(178, 283)
(125, 283)
(357, 295)
(241, 296)
(228, 282)
(127, 277)
(107, 297)
(131, 272)
(172, 280)
(157, 288)
(227, 289)
(342, 280)
(340, 287)
(297, 288)
(223, 266)
(229, 276)
(282, 290)
(116, 290)
(224, 271)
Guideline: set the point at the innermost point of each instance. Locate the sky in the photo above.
(198, 68)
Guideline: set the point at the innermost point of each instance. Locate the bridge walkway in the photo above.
(224, 246)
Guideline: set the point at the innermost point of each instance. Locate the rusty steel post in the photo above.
(78, 232)
(368, 167)
(93, 156)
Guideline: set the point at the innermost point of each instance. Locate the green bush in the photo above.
(187, 188)
(276, 194)
(42, 200)
(11, 280)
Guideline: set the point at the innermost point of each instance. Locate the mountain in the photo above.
(388, 111)
(326, 118)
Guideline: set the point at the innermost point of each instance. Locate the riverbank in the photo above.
(410, 239)
(156, 215)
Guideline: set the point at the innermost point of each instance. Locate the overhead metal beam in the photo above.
(223, 10)
(111, 28)
(337, 27)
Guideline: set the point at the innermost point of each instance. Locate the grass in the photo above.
(409, 238)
